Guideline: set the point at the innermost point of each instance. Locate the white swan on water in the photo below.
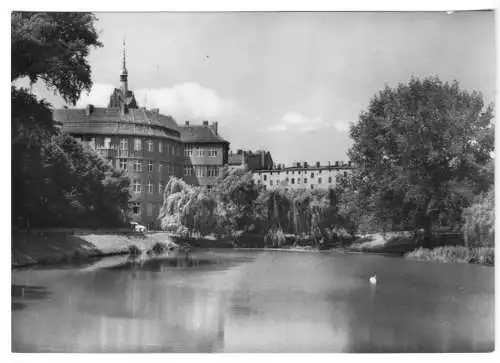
(373, 279)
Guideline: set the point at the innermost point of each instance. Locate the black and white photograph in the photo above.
(252, 181)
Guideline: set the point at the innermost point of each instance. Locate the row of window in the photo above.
(210, 151)
(300, 172)
(149, 165)
(149, 187)
(202, 171)
(299, 181)
(305, 179)
(140, 145)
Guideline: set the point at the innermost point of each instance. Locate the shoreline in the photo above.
(59, 248)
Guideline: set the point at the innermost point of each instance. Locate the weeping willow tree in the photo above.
(479, 226)
(236, 201)
(278, 216)
(187, 209)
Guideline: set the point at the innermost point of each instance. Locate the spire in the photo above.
(124, 63)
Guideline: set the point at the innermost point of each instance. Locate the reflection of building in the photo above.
(143, 142)
(205, 153)
(250, 160)
(303, 175)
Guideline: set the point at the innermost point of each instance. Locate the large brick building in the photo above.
(205, 153)
(302, 175)
(143, 142)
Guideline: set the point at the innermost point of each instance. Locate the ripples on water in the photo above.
(249, 301)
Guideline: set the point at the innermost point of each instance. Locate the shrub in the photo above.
(275, 237)
(133, 250)
(457, 254)
(483, 255)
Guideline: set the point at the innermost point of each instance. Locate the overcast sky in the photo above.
(287, 82)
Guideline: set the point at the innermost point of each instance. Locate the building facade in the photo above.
(144, 143)
(302, 175)
(249, 160)
(205, 153)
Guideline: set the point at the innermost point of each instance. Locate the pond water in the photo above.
(254, 301)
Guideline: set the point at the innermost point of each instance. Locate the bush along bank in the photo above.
(456, 254)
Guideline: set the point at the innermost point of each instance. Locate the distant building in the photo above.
(205, 153)
(250, 160)
(302, 175)
(144, 143)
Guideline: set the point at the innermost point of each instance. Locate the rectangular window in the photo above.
(329, 179)
(298, 180)
(312, 175)
(188, 170)
(136, 186)
(167, 148)
(345, 173)
(320, 180)
(136, 207)
(150, 145)
(189, 151)
(212, 172)
(160, 167)
(137, 145)
(123, 164)
(312, 186)
(270, 182)
(200, 172)
(186, 152)
(173, 150)
(150, 165)
(160, 146)
(202, 152)
(168, 169)
(150, 187)
(137, 165)
(293, 180)
(161, 187)
(305, 180)
(124, 144)
(265, 177)
(149, 209)
(107, 142)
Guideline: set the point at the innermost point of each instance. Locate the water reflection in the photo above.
(230, 301)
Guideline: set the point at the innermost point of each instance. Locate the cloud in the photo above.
(342, 126)
(296, 118)
(276, 128)
(98, 96)
(183, 101)
(297, 121)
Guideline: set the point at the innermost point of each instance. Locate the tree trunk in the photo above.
(427, 225)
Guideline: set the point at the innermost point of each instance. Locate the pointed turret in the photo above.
(124, 73)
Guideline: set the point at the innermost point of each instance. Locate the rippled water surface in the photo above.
(254, 301)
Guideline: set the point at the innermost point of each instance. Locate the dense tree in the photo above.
(421, 150)
(54, 47)
(56, 181)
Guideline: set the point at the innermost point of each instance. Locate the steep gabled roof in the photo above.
(201, 134)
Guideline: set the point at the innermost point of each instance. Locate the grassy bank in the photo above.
(455, 254)
(58, 247)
